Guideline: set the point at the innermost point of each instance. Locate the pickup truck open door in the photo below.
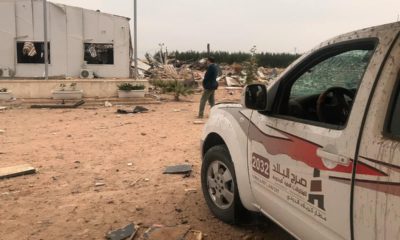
(376, 199)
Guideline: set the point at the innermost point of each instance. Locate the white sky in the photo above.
(237, 25)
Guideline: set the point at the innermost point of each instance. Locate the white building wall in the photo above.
(58, 40)
(68, 29)
(74, 40)
(7, 34)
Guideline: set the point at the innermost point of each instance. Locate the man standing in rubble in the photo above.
(210, 84)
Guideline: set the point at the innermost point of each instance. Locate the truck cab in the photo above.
(318, 149)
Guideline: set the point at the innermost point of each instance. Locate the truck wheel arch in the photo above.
(213, 139)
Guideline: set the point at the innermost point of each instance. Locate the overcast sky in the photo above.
(237, 25)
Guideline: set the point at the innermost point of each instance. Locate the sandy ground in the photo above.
(74, 150)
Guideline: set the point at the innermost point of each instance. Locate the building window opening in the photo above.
(31, 52)
(99, 53)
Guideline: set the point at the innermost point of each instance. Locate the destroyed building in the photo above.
(82, 43)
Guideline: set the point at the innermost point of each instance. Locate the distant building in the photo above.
(76, 36)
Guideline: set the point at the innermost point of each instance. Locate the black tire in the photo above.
(229, 213)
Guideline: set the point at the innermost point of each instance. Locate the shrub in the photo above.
(178, 88)
(130, 86)
(250, 67)
(64, 87)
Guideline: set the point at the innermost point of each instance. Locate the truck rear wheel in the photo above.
(219, 185)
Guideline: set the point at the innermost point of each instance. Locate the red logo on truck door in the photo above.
(302, 150)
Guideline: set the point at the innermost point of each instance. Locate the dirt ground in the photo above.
(75, 150)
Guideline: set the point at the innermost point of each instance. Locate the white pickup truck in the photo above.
(318, 149)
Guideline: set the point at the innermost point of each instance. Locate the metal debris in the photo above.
(178, 169)
(129, 231)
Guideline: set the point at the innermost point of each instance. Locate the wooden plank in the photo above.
(15, 171)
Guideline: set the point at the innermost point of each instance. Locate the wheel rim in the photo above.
(220, 184)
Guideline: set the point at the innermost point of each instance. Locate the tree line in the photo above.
(265, 59)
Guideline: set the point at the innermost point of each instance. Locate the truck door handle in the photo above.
(333, 157)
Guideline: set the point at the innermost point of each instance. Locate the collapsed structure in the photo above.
(82, 43)
(193, 71)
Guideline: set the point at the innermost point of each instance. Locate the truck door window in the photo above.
(324, 92)
(394, 119)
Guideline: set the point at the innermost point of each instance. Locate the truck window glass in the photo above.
(394, 126)
(31, 52)
(343, 70)
(99, 53)
(325, 91)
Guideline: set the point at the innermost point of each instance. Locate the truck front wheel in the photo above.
(219, 184)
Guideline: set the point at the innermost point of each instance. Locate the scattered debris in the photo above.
(15, 171)
(179, 210)
(99, 184)
(63, 105)
(140, 109)
(194, 235)
(191, 190)
(129, 231)
(2, 131)
(122, 111)
(178, 169)
(3, 108)
(107, 104)
(139, 209)
(130, 164)
(198, 122)
(134, 183)
(137, 109)
(159, 232)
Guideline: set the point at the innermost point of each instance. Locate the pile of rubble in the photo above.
(193, 71)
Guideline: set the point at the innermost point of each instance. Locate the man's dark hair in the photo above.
(211, 59)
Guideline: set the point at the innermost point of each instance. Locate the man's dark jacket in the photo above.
(210, 78)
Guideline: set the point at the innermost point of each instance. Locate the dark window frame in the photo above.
(394, 98)
(19, 48)
(319, 56)
(91, 61)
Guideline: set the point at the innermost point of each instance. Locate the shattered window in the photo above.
(99, 53)
(324, 91)
(31, 52)
(343, 70)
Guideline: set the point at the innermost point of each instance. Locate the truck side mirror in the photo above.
(255, 97)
